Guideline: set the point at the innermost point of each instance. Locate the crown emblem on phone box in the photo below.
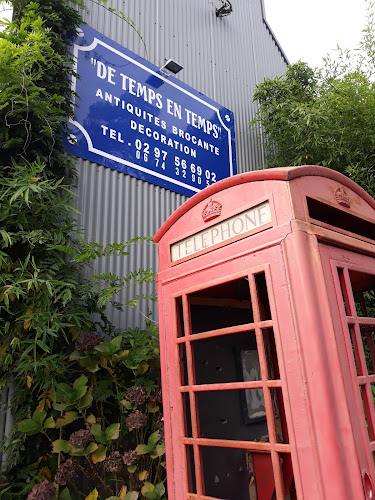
(342, 197)
(211, 210)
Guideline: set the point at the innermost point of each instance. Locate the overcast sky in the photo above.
(308, 29)
(5, 13)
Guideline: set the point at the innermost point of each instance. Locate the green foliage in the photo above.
(111, 455)
(324, 117)
(154, 492)
(45, 305)
(34, 79)
(85, 395)
(42, 295)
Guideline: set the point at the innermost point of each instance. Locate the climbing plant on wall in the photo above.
(85, 397)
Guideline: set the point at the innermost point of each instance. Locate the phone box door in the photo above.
(228, 409)
(350, 280)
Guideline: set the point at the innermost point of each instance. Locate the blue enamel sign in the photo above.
(132, 118)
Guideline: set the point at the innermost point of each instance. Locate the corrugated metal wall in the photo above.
(222, 58)
(6, 421)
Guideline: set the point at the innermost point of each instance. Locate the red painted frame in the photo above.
(323, 412)
(351, 346)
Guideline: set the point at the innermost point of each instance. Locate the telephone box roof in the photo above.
(273, 174)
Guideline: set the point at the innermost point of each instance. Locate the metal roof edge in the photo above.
(272, 33)
(272, 174)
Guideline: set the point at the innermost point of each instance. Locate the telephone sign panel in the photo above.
(131, 117)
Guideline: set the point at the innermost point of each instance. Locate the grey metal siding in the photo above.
(222, 58)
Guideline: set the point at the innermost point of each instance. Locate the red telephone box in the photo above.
(266, 302)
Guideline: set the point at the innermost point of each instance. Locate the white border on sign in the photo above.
(92, 149)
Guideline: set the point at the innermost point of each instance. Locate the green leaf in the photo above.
(91, 448)
(159, 489)
(99, 455)
(116, 342)
(81, 381)
(147, 488)
(49, 423)
(60, 445)
(152, 407)
(91, 419)
(65, 494)
(29, 426)
(93, 495)
(90, 363)
(142, 368)
(153, 439)
(61, 406)
(17, 194)
(6, 238)
(49, 288)
(77, 451)
(67, 418)
(112, 432)
(131, 363)
(151, 495)
(104, 348)
(39, 416)
(127, 404)
(64, 393)
(160, 449)
(132, 468)
(98, 434)
(131, 495)
(85, 402)
(142, 449)
(118, 357)
(79, 392)
(76, 355)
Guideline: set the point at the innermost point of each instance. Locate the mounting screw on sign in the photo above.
(368, 486)
(72, 139)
